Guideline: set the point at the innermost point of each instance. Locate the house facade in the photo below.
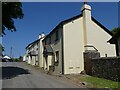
(63, 48)
(53, 50)
(40, 49)
(32, 53)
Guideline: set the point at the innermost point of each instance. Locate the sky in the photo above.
(43, 17)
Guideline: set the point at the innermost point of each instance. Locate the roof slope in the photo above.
(62, 23)
(32, 43)
(47, 50)
(76, 17)
(69, 20)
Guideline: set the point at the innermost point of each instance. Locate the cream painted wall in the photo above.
(32, 59)
(40, 53)
(49, 61)
(97, 37)
(29, 60)
(44, 63)
(56, 46)
(73, 47)
(94, 35)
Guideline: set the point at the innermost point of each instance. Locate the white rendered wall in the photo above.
(29, 60)
(56, 46)
(98, 37)
(40, 53)
(95, 35)
(49, 61)
(73, 47)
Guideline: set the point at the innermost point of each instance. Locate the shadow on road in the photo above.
(11, 72)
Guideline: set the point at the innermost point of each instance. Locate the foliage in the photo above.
(21, 58)
(11, 60)
(116, 30)
(17, 59)
(10, 12)
(95, 82)
(1, 48)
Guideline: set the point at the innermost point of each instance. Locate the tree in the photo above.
(116, 30)
(1, 48)
(20, 58)
(10, 11)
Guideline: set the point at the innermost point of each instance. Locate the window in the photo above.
(49, 40)
(37, 44)
(45, 42)
(57, 56)
(56, 35)
(37, 48)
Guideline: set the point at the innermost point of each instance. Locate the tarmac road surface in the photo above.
(21, 75)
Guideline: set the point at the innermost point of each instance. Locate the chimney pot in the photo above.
(42, 35)
(39, 36)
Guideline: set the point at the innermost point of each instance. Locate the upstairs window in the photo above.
(45, 42)
(37, 49)
(49, 40)
(57, 56)
(56, 35)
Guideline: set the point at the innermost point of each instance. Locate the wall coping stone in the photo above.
(106, 58)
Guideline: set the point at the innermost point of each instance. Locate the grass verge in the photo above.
(94, 82)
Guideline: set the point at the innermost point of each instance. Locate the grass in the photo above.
(94, 82)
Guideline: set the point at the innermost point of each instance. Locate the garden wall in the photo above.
(103, 67)
(106, 67)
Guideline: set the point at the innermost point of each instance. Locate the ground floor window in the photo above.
(57, 56)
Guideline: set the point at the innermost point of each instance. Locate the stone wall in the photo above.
(106, 67)
(87, 61)
(103, 67)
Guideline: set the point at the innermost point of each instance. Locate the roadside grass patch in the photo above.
(95, 82)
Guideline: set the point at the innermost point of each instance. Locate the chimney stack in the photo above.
(42, 35)
(39, 36)
(86, 11)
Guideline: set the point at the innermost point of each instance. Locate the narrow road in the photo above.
(21, 75)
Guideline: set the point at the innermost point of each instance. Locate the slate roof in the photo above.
(32, 43)
(48, 49)
(76, 17)
(69, 20)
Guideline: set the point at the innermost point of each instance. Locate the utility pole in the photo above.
(11, 52)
